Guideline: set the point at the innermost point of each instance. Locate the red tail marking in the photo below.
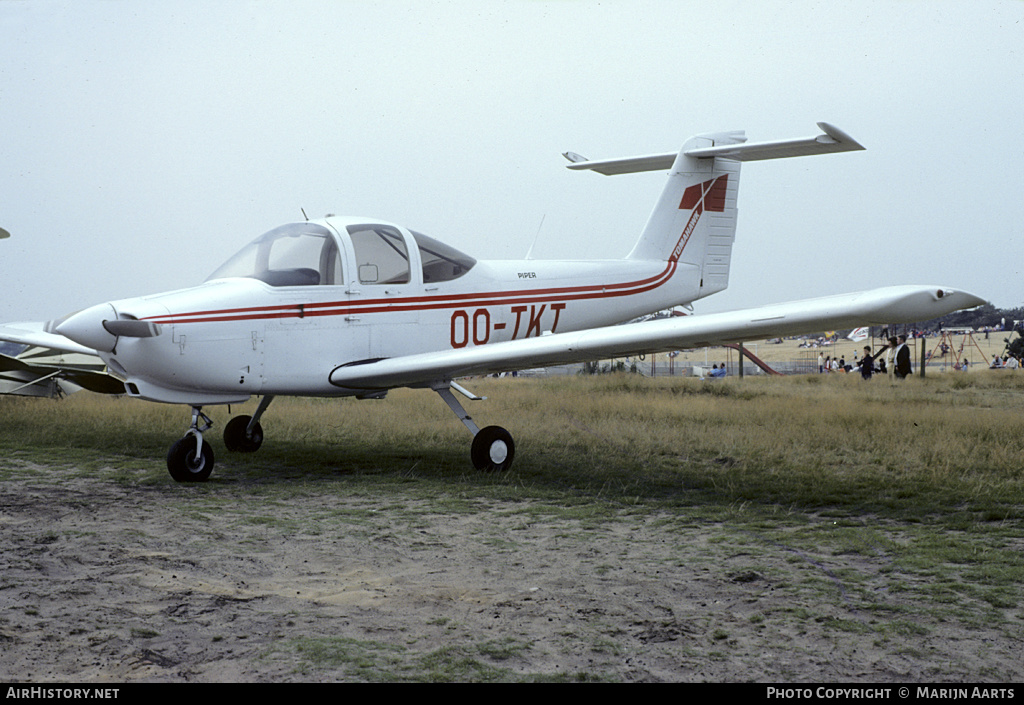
(712, 193)
(715, 198)
(691, 197)
(706, 196)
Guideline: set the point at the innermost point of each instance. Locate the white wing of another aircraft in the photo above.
(40, 364)
(346, 306)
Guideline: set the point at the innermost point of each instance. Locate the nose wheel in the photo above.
(190, 459)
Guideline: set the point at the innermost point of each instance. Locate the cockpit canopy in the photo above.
(307, 254)
(441, 262)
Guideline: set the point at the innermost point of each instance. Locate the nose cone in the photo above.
(86, 328)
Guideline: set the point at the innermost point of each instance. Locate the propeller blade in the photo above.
(131, 328)
(51, 325)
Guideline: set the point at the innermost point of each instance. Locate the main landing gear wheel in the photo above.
(493, 449)
(237, 440)
(185, 464)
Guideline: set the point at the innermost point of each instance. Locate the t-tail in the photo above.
(694, 223)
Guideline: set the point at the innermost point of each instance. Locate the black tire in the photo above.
(493, 449)
(236, 439)
(183, 464)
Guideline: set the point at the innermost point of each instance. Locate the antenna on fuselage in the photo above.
(529, 253)
(304, 213)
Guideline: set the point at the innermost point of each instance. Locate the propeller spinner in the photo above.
(100, 326)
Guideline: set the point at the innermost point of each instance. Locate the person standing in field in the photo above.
(867, 363)
(902, 359)
(890, 359)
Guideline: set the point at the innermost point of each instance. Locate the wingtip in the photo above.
(968, 299)
(839, 136)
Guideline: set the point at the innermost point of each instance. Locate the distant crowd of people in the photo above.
(894, 359)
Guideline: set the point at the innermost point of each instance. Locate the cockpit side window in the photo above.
(298, 254)
(381, 254)
(441, 262)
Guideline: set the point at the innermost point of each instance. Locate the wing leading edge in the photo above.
(900, 304)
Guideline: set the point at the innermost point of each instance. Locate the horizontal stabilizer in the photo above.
(627, 165)
(830, 141)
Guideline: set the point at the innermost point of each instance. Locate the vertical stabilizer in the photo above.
(694, 221)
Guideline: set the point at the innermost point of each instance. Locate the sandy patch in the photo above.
(108, 583)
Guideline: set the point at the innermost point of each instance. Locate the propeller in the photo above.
(99, 327)
(132, 327)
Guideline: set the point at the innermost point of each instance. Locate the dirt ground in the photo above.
(104, 581)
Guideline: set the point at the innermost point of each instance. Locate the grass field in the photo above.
(814, 440)
(923, 480)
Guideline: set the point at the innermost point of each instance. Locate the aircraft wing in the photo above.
(37, 363)
(902, 304)
(35, 333)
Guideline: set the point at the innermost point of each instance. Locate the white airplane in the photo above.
(34, 371)
(356, 306)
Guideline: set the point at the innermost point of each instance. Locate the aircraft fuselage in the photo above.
(233, 337)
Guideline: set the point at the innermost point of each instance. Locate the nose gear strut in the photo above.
(190, 459)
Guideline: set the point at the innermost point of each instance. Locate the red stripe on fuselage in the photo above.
(422, 303)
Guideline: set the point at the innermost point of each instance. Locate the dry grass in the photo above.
(881, 519)
(939, 444)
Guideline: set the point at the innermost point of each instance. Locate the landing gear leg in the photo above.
(493, 448)
(191, 458)
(243, 434)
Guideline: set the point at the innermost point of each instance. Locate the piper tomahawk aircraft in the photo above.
(356, 306)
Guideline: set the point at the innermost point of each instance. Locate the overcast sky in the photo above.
(142, 143)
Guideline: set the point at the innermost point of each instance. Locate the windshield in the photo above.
(297, 254)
